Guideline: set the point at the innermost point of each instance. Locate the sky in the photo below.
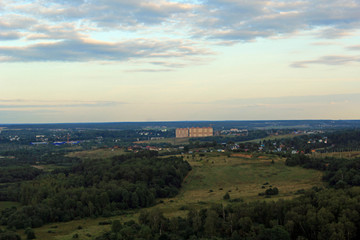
(175, 60)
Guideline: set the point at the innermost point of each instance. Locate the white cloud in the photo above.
(40, 104)
(7, 36)
(355, 47)
(209, 22)
(327, 60)
(246, 20)
(90, 50)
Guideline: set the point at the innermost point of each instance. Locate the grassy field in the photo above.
(273, 137)
(4, 205)
(213, 174)
(174, 141)
(97, 154)
(354, 154)
(47, 167)
(242, 175)
(85, 228)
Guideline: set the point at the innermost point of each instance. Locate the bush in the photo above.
(30, 233)
(105, 223)
(272, 191)
(226, 196)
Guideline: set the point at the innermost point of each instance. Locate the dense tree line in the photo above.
(345, 140)
(339, 172)
(9, 235)
(319, 214)
(40, 154)
(20, 173)
(96, 188)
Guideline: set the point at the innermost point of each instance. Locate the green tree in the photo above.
(226, 196)
(30, 234)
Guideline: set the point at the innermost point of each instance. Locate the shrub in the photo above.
(272, 191)
(226, 196)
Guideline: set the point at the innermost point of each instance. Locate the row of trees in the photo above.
(21, 173)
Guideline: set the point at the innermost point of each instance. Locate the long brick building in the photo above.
(194, 132)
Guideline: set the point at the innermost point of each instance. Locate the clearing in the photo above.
(242, 175)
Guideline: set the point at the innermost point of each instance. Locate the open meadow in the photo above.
(274, 137)
(174, 141)
(242, 175)
(346, 154)
(7, 204)
(98, 153)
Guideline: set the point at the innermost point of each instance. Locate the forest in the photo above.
(324, 214)
(94, 188)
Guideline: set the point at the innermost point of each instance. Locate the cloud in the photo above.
(150, 70)
(7, 36)
(39, 104)
(90, 50)
(247, 20)
(105, 13)
(327, 60)
(56, 32)
(72, 24)
(333, 33)
(324, 43)
(214, 19)
(13, 22)
(355, 47)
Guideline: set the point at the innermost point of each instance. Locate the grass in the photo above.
(174, 141)
(86, 228)
(97, 154)
(5, 204)
(212, 175)
(47, 167)
(244, 176)
(273, 137)
(349, 155)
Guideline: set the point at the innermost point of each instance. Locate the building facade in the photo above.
(182, 132)
(194, 132)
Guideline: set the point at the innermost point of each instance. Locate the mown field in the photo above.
(213, 174)
(4, 205)
(86, 229)
(98, 153)
(275, 137)
(352, 154)
(242, 175)
(174, 141)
